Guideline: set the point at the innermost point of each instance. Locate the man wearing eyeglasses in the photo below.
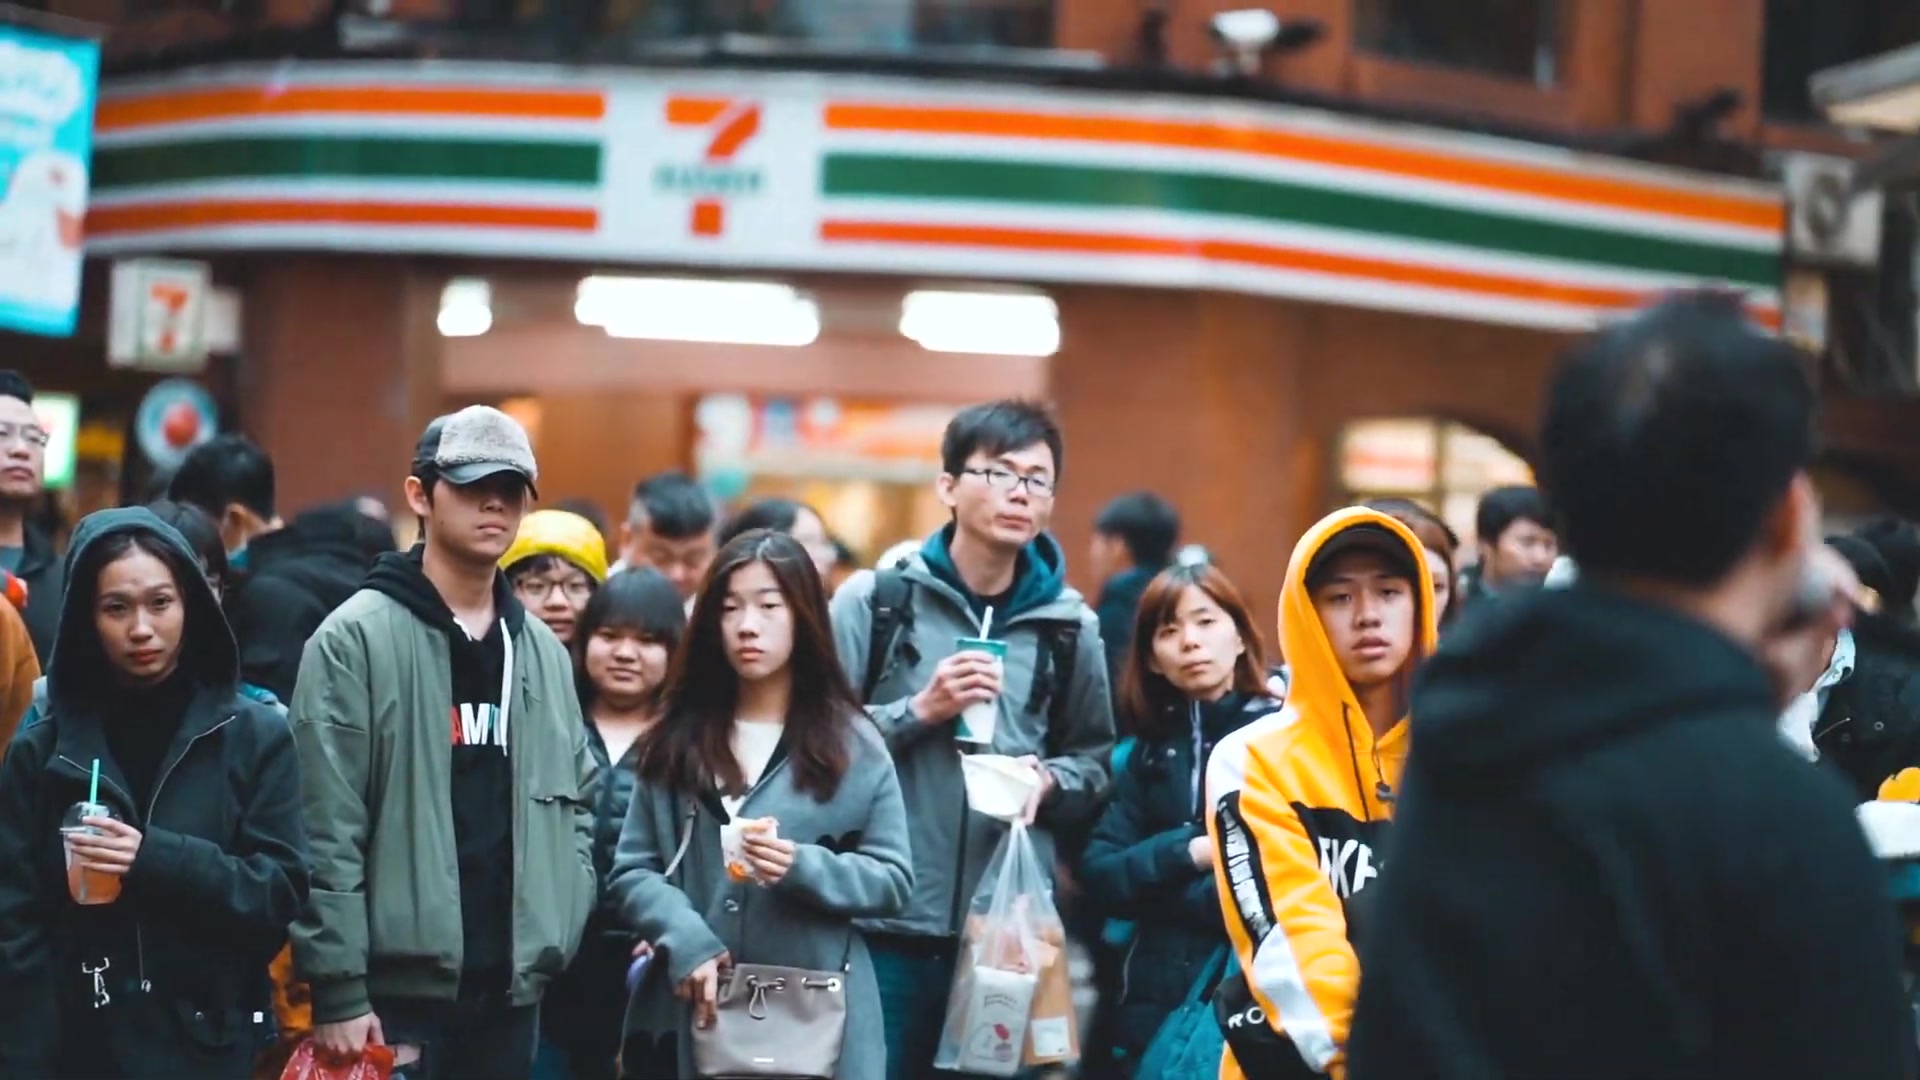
(26, 552)
(993, 572)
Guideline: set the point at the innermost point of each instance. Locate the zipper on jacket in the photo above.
(1126, 965)
(1199, 757)
(139, 937)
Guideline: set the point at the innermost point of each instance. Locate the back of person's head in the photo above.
(672, 505)
(777, 514)
(1000, 427)
(201, 534)
(1501, 508)
(1670, 438)
(227, 470)
(15, 385)
(1147, 524)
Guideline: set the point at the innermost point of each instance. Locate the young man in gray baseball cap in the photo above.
(432, 715)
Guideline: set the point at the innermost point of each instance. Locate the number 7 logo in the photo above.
(731, 125)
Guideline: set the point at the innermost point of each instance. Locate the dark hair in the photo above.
(1434, 534)
(779, 515)
(999, 427)
(641, 601)
(1146, 523)
(587, 509)
(673, 505)
(1898, 544)
(201, 533)
(691, 748)
(15, 385)
(225, 470)
(1150, 703)
(93, 559)
(1504, 507)
(1668, 439)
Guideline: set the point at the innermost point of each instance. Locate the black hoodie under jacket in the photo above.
(1607, 864)
(482, 784)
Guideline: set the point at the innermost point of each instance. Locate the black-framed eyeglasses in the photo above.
(537, 590)
(1002, 480)
(32, 434)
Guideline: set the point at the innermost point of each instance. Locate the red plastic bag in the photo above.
(310, 1063)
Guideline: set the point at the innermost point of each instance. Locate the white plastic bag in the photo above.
(1012, 934)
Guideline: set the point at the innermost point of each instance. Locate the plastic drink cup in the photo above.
(84, 885)
(733, 840)
(978, 720)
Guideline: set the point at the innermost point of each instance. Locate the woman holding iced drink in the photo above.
(152, 850)
(768, 817)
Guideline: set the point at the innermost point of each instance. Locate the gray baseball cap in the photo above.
(477, 442)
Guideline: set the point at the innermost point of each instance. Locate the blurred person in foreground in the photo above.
(1606, 862)
(1133, 540)
(670, 527)
(27, 551)
(1300, 803)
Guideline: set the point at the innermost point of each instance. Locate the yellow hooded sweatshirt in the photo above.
(1295, 809)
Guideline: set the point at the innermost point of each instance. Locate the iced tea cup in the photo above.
(84, 885)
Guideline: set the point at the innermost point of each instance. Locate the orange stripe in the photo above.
(695, 112)
(153, 217)
(1262, 255)
(233, 102)
(1570, 186)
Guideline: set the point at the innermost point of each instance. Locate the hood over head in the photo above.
(78, 662)
(1548, 673)
(1317, 686)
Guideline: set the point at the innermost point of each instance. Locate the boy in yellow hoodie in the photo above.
(1299, 803)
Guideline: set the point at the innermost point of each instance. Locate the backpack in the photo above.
(892, 609)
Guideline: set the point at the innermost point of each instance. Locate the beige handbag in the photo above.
(772, 1021)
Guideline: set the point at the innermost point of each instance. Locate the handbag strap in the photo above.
(1211, 974)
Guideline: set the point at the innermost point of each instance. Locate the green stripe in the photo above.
(1037, 184)
(356, 157)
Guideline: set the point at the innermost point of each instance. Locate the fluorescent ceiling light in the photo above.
(704, 310)
(466, 308)
(995, 323)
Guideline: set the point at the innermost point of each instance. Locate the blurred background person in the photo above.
(627, 635)
(27, 549)
(670, 526)
(1133, 539)
(796, 519)
(1194, 673)
(1515, 539)
(555, 564)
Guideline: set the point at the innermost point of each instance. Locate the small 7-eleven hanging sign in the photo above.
(729, 125)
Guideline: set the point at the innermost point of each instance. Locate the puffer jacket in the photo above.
(1137, 866)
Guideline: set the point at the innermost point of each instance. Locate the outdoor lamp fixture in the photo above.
(981, 322)
(466, 308)
(1249, 34)
(709, 310)
(1881, 92)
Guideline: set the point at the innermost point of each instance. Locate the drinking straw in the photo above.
(986, 622)
(93, 788)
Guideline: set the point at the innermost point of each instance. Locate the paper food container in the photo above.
(998, 786)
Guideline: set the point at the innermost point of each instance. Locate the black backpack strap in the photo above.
(1053, 677)
(892, 608)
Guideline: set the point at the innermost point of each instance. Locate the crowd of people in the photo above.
(537, 797)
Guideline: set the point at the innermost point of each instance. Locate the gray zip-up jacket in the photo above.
(851, 861)
(370, 715)
(951, 844)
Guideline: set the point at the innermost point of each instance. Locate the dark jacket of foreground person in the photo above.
(1607, 864)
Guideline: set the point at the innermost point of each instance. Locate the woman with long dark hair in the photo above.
(624, 642)
(768, 816)
(1194, 673)
(136, 938)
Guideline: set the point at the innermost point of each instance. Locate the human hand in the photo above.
(1797, 654)
(768, 856)
(1200, 850)
(1039, 792)
(702, 989)
(963, 679)
(642, 948)
(110, 849)
(345, 1039)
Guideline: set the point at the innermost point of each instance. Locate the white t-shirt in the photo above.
(753, 746)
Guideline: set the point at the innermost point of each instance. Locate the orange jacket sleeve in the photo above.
(1285, 920)
(19, 667)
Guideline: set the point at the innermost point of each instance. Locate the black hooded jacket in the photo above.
(220, 873)
(1869, 728)
(295, 577)
(1607, 864)
(482, 783)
